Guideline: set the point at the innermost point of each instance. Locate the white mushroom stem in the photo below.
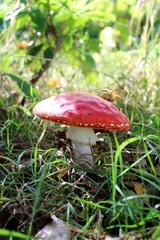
(83, 154)
(82, 140)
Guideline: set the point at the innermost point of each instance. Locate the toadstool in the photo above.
(82, 112)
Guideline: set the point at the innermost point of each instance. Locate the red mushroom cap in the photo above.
(82, 110)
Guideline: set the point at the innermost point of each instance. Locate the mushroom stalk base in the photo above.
(82, 139)
(82, 155)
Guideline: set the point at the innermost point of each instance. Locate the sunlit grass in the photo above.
(128, 160)
(106, 197)
(37, 173)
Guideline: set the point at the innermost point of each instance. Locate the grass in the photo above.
(119, 195)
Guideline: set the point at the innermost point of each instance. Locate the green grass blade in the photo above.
(9, 233)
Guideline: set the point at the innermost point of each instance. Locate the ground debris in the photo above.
(57, 230)
(116, 238)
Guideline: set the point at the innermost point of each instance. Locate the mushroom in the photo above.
(82, 112)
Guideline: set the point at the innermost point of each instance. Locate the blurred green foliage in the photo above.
(81, 45)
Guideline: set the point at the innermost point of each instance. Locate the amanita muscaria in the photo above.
(82, 112)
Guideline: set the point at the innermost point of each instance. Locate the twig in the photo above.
(46, 65)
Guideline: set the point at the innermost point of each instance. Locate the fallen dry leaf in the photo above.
(63, 170)
(56, 230)
(140, 190)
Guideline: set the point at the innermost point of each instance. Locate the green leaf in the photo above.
(34, 50)
(93, 44)
(1, 24)
(28, 89)
(48, 53)
(23, 1)
(89, 60)
(38, 20)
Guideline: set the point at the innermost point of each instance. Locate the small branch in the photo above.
(46, 65)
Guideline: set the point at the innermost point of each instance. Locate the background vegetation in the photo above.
(109, 48)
